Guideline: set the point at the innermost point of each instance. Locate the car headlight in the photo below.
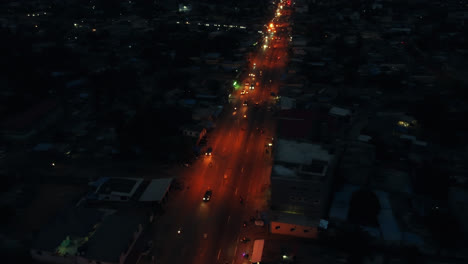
(204, 198)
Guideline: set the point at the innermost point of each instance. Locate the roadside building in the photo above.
(135, 190)
(300, 183)
(88, 235)
(195, 131)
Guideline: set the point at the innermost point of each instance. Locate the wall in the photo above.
(297, 196)
(298, 231)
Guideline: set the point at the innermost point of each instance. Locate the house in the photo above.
(202, 113)
(287, 103)
(195, 131)
(314, 124)
(213, 58)
(24, 125)
(458, 204)
(340, 113)
(117, 189)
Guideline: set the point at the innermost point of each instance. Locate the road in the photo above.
(240, 166)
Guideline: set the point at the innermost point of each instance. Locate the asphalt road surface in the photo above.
(240, 166)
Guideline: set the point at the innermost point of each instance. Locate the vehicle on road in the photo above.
(259, 222)
(245, 103)
(208, 151)
(179, 230)
(207, 195)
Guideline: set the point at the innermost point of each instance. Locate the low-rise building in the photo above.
(195, 131)
(88, 235)
(117, 189)
(24, 125)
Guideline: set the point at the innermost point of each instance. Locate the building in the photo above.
(87, 235)
(114, 238)
(115, 189)
(26, 124)
(300, 186)
(130, 190)
(58, 242)
(195, 131)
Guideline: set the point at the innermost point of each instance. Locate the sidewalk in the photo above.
(257, 206)
(140, 251)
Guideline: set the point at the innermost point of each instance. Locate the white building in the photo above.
(300, 187)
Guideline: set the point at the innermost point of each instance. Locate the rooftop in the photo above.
(113, 235)
(302, 153)
(72, 223)
(119, 186)
(295, 219)
(156, 190)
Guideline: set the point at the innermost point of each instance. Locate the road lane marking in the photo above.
(242, 170)
(235, 251)
(229, 218)
(219, 253)
(236, 192)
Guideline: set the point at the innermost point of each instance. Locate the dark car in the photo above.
(208, 151)
(207, 196)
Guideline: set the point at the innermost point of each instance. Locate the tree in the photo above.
(364, 208)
